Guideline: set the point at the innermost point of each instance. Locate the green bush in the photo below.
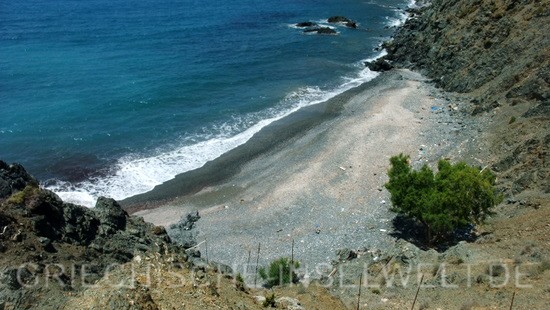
(239, 283)
(21, 197)
(280, 272)
(269, 301)
(455, 196)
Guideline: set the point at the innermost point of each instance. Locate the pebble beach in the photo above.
(323, 186)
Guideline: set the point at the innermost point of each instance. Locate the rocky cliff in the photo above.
(497, 49)
(51, 249)
(496, 53)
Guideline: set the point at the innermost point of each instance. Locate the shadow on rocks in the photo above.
(413, 232)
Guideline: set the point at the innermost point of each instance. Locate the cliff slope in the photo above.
(495, 53)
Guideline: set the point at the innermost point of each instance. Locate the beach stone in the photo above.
(346, 255)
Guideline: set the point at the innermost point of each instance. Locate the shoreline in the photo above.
(269, 139)
(323, 185)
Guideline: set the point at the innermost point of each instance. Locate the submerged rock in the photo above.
(306, 24)
(343, 20)
(321, 30)
(351, 25)
(339, 19)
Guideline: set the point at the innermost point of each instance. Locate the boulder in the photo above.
(81, 226)
(110, 214)
(13, 178)
(288, 303)
(378, 65)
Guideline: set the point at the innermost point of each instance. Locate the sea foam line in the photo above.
(132, 175)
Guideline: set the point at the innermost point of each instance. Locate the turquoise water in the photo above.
(114, 97)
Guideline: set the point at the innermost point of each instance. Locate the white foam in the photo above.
(401, 18)
(412, 4)
(317, 24)
(133, 175)
(382, 53)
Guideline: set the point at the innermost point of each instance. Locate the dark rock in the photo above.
(343, 20)
(159, 231)
(379, 64)
(306, 24)
(48, 210)
(346, 255)
(351, 25)
(541, 110)
(194, 252)
(321, 30)
(46, 244)
(339, 19)
(485, 51)
(9, 278)
(110, 214)
(46, 230)
(81, 226)
(187, 222)
(13, 178)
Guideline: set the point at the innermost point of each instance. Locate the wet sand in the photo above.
(316, 177)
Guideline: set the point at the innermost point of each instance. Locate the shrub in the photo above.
(269, 301)
(280, 272)
(21, 197)
(454, 197)
(239, 283)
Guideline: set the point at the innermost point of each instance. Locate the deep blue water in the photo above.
(114, 97)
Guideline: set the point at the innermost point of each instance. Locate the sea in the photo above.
(113, 97)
